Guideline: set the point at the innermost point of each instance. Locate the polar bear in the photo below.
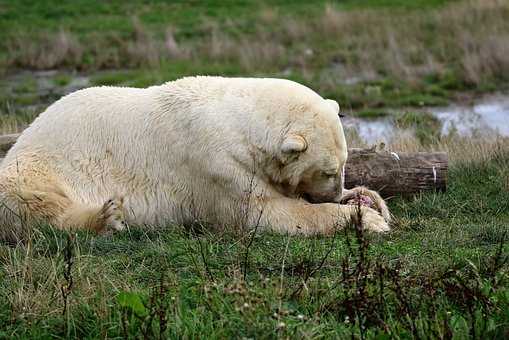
(227, 151)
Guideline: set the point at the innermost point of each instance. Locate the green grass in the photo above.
(27, 84)
(86, 16)
(426, 65)
(371, 114)
(166, 72)
(427, 127)
(198, 284)
(62, 79)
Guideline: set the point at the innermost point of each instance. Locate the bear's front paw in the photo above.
(372, 220)
(368, 198)
(112, 213)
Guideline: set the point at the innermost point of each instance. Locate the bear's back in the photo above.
(84, 118)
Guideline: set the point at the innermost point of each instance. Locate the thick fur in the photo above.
(228, 151)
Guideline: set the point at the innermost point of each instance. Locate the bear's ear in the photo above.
(335, 106)
(294, 143)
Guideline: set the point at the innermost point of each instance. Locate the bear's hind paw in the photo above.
(112, 213)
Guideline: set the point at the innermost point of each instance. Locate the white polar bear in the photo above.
(228, 151)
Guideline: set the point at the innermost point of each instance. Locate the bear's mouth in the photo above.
(308, 198)
(317, 199)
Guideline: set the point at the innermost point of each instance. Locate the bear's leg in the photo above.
(296, 216)
(109, 216)
(24, 207)
(31, 194)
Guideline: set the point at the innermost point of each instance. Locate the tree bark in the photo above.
(389, 173)
(400, 173)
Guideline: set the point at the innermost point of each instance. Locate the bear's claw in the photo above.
(112, 213)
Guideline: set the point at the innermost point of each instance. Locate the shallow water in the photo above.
(371, 131)
(488, 116)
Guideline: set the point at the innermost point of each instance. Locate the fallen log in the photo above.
(390, 173)
(400, 173)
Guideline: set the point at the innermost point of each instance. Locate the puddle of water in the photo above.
(487, 117)
(371, 131)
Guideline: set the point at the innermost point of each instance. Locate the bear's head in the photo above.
(313, 159)
(311, 150)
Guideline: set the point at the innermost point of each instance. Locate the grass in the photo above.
(90, 16)
(350, 51)
(13, 119)
(442, 272)
(371, 114)
(353, 51)
(62, 79)
(426, 126)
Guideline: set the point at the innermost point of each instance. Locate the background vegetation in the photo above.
(354, 51)
(442, 272)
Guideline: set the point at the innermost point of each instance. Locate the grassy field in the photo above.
(351, 51)
(442, 272)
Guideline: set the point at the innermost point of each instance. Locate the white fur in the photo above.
(199, 148)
